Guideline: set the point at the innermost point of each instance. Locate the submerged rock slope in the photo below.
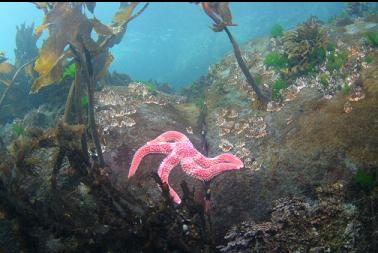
(308, 185)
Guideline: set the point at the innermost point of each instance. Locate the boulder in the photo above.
(129, 117)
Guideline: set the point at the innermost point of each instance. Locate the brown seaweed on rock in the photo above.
(70, 37)
(297, 225)
(304, 44)
(68, 25)
(221, 15)
(64, 204)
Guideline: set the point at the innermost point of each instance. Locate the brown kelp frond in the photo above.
(9, 83)
(122, 18)
(100, 28)
(68, 136)
(220, 13)
(5, 66)
(67, 24)
(124, 13)
(90, 6)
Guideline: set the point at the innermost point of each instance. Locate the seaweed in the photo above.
(276, 31)
(220, 13)
(335, 61)
(9, 84)
(26, 48)
(70, 71)
(83, 210)
(305, 46)
(196, 89)
(324, 80)
(277, 87)
(366, 179)
(5, 66)
(200, 102)
(18, 129)
(70, 37)
(84, 101)
(68, 25)
(276, 60)
(372, 38)
(149, 84)
(331, 47)
(369, 59)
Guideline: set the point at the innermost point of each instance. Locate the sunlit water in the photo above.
(172, 42)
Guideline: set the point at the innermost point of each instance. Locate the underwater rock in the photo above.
(130, 116)
(299, 226)
(39, 118)
(116, 79)
(9, 240)
(344, 21)
(310, 144)
(307, 141)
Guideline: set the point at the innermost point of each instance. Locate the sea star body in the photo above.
(181, 151)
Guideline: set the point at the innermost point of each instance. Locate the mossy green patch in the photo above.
(258, 78)
(335, 61)
(324, 80)
(276, 60)
(150, 85)
(318, 55)
(331, 47)
(372, 38)
(70, 71)
(369, 59)
(366, 179)
(346, 89)
(200, 102)
(18, 129)
(276, 31)
(277, 87)
(84, 101)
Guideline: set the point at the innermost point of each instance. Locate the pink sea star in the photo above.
(181, 151)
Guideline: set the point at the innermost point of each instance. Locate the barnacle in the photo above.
(348, 107)
(225, 145)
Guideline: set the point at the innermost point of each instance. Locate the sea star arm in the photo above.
(227, 158)
(207, 174)
(149, 148)
(164, 170)
(170, 136)
(205, 162)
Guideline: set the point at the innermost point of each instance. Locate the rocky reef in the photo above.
(305, 45)
(312, 137)
(309, 181)
(324, 225)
